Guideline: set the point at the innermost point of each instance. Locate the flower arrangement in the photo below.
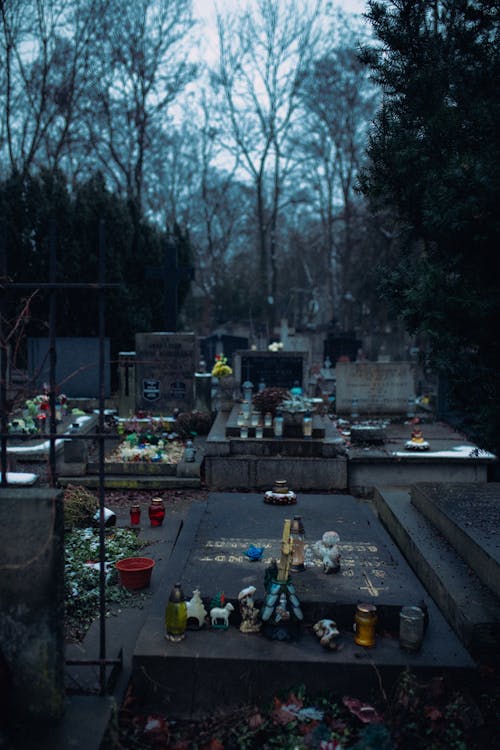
(221, 368)
(270, 399)
(276, 346)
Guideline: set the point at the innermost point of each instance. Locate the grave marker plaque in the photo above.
(378, 387)
(275, 369)
(165, 368)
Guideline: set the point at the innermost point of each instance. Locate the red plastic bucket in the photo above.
(135, 572)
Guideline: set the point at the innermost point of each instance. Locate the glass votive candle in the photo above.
(243, 433)
(135, 515)
(411, 628)
(255, 418)
(268, 419)
(278, 425)
(241, 419)
(259, 431)
(156, 511)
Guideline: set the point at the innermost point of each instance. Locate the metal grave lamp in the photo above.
(281, 613)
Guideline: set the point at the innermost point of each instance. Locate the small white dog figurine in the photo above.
(327, 548)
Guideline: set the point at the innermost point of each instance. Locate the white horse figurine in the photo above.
(219, 616)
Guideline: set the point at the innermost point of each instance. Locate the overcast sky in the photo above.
(205, 8)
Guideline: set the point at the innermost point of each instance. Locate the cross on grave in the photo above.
(172, 275)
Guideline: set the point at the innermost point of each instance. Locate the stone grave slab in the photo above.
(275, 369)
(372, 568)
(378, 387)
(165, 367)
(468, 515)
(211, 668)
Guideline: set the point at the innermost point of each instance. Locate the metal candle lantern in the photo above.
(411, 628)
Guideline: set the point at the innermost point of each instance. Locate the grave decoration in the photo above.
(417, 441)
(166, 440)
(327, 548)
(196, 612)
(176, 615)
(365, 621)
(219, 616)
(280, 494)
(328, 633)
(249, 613)
(281, 613)
(226, 382)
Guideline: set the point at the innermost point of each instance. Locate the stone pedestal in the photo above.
(32, 602)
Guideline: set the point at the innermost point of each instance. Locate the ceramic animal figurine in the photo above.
(327, 548)
(219, 616)
(249, 613)
(327, 632)
(196, 609)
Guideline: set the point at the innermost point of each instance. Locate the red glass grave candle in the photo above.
(156, 511)
(135, 515)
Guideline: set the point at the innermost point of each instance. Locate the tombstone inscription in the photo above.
(378, 387)
(165, 367)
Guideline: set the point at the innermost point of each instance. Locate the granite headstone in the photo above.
(378, 387)
(165, 367)
(274, 369)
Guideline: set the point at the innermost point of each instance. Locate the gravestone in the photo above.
(221, 343)
(126, 379)
(165, 367)
(275, 369)
(341, 346)
(77, 366)
(378, 387)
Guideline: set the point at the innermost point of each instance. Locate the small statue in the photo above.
(327, 632)
(327, 548)
(250, 622)
(219, 616)
(417, 441)
(196, 609)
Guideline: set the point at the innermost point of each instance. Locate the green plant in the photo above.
(81, 574)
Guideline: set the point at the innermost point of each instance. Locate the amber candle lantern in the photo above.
(365, 621)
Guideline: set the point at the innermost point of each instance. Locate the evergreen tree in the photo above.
(434, 159)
